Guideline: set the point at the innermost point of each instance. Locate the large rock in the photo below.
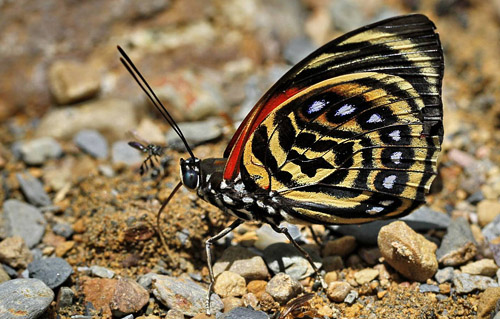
(24, 298)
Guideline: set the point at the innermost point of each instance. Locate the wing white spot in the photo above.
(239, 187)
(346, 109)
(260, 204)
(396, 157)
(375, 118)
(375, 210)
(317, 106)
(223, 185)
(396, 135)
(247, 200)
(386, 202)
(227, 199)
(389, 181)
(271, 210)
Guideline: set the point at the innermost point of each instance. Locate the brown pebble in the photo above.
(487, 210)
(331, 276)
(484, 267)
(342, 246)
(231, 303)
(338, 290)
(230, 284)
(445, 288)
(407, 251)
(15, 253)
(257, 287)
(250, 299)
(71, 81)
(331, 263)
(487, 302)
(79, 226)
(282, 287)
(381, 294)
(64, 247)
(366, 275)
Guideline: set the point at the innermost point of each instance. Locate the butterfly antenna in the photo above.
(132, 69)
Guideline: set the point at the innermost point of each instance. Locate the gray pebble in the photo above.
(429, 288)
(24, 220)
(283, 257)
(243, 262)
(283, 287)
(458, 245)
(121, 152)
(421, 220)
(465, 283)
(30, 297)
(36, 152)
(351, 297)
(183, 235)
(196, 133)
(63, 229)
(444, 275)
(10, 271)
(101, 272)
(131, 316)
(33, 190)
(64, 297)
(184, 295)
(92, 143)
(106, 170)
(492, 230)
(146, 280)
(52, 271)
(247, 313)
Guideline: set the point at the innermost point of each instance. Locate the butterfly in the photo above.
(350, 134)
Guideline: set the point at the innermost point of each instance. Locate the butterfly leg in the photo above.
(208, 248)
(315, 237)
(285, 231)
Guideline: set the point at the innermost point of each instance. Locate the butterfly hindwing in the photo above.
(406, 46)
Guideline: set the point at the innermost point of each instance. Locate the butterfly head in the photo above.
(190, 173)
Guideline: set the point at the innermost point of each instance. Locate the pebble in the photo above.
(483, 267)
(174, 314)
(63, 229)
(492, 230)
(242, 261)
(487, 210)
(196, 133)
(33, 190)
(407, 251)
(281, 257)
(146, 280)
(110, 115)
(15, 253)
(351, 297)
(370, 255)
(429, 288)
(118, 297)
(365, 276)
(422, 219)
(37, 151)
(230, 284)
(122, 153)
(331, 263)
(52, 271)
(102, 272)
(247, 313)
(444, 275)
(92, 143)
(231, 303)
(64, 297)
(458, 245)
(488, 302)
(465, 283)
(331, 277)
(257, 287)
(72, 81)
(4, 276)
(251, 300)
(283, 287)
(184, 295)
(341, 247)
(266, 236)
(338, 290)
(25, 298)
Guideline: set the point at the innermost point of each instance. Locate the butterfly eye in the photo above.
(190, 179)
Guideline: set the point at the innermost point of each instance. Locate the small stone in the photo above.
(64, 298)
(15, 253)
(370, 255)
(250, 300)
(283, 287)
(231, 303)
(92, 143)
(331, 263)
(429, 288)
(122, 153)
(63, 229)
(351, 297)
(487, 302)
(33, 190)
(247, 313)
(407, 251)
(24, 220)
(230, 284)
(37, 151)
(458, 245)
(331, 277)
(487, 210)
(146, 280)
(184, 295)
(99, 292)
(444, 275)
(102, 272)
(52, 271)
(342, 246)
(465, 283)
(483, 267)
(71, 81)
(257, 287)
(338, 290)
(129, 297)
(4, 276)
(64, 247)
(196, 133)
(174, 314)
(242, 261)
(266, 236)
(365, 276)
(24, 298)
(281, 257)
